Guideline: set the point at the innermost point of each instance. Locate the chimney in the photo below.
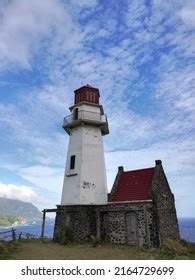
(158, 162)
(120, 169)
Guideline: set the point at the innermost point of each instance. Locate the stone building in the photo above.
(140, 208)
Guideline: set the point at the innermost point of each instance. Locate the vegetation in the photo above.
(48, 250)
(17, 208)
(6, 221)
(7, 249)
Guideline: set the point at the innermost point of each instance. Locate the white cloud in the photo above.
(135, 11)
(48, 178)
(24, 24)
(134, 129)
(177, 156)
(23, 193)
(187, 14)
(84, 3)
(176, 88)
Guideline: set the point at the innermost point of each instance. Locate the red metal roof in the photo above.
(134, 185)
(87, 93)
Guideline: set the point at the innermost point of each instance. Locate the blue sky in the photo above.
(138, 53)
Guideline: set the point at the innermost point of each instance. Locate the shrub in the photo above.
(174, 248)
(3, 248)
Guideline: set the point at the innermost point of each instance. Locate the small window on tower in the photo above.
(76, 111)
(87, 96)
(72, 162)
(94, 97)
(91, 97)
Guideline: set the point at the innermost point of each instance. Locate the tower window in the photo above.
(72, 162)
(76, 111)
(87, 96)
(94, 97)
(90, 96)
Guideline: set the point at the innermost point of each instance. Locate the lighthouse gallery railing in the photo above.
(84, 115)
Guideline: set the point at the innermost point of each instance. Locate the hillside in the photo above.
(11, 221)
(17, 208)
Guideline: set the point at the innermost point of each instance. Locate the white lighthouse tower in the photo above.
(85, 174)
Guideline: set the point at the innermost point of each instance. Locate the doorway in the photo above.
(132, 230)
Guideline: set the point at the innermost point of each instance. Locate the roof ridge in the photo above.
(139, 169)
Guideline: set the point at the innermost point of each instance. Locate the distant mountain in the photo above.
(17, 208)
(7, 221)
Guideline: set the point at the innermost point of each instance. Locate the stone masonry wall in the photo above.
(107, 222)
(76, 222)
(165, 217)
(116, 224)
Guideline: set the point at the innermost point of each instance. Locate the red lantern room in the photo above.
(87, 94)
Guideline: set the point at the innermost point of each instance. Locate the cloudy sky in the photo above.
(139, 53)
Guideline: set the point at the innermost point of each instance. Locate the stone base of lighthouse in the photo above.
(75, 222)
(105, 222)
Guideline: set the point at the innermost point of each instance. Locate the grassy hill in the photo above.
(6, 221)
(17, 208)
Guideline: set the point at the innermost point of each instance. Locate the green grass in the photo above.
(7, 249)
(38, 249)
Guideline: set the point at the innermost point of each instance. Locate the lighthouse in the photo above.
(140, 209)
(85, 173)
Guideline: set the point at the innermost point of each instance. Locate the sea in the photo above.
(186, 226)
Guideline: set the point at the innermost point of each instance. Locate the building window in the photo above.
(76, 111)
(72, 162)
(81, 99)
(87, 96)
(91, 96)
(94, 97)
